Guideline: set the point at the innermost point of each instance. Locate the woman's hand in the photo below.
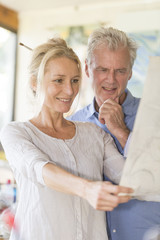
(104, 195)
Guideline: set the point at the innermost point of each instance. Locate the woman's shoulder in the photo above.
(13, 127)
(89, 127)
(14, 124)
(85, 124)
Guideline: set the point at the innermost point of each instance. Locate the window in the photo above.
(7, 74)
(8, 33)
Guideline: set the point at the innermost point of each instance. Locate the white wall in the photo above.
(37, 27)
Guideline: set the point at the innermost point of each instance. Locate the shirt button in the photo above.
(114, 230)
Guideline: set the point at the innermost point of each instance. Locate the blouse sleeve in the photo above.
(23, 156)
(113, 160)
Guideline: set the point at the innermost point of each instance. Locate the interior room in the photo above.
(26, 24)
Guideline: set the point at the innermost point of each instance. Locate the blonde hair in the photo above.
(113, 39)
(53, 48)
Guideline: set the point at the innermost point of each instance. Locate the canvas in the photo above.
(142, 167)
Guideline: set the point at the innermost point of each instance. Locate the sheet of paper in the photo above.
(142, 167)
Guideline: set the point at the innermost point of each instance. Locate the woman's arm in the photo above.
(26, 159)
(100, 195)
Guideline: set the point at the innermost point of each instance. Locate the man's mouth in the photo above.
(109, 89)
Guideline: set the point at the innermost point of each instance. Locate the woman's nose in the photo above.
(68, 88)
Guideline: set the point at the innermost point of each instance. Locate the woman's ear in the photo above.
(33, 84)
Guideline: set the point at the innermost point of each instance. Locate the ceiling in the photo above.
(29, 5)
(32, 5)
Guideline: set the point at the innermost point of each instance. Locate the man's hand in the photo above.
(111, 114)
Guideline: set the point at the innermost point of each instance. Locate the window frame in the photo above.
(9, 21)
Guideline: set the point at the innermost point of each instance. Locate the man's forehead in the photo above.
(104, 48)
(98, 64)
(103, 56)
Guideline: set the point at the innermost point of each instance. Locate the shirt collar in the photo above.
(127, 109)
(128, 99)
(92, 109)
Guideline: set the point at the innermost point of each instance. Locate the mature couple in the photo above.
(59, 164)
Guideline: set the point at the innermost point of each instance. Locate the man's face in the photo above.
(110, 72)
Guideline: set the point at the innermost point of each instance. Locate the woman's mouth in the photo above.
(66, 100)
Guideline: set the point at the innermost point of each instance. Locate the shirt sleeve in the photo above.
(113, 160)
(23, 156)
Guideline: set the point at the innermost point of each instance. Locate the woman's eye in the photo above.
(58, 80)
(75, 80)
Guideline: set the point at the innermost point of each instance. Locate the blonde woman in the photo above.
(58, 164)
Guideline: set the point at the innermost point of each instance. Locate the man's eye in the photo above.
(102, 69)
(121, 71)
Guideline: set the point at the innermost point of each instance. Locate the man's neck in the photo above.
(96, 106)
(122, 98)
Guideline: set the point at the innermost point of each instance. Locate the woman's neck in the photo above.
(54, 125)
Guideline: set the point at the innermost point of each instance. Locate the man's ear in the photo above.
(130, 75)
(86, 68)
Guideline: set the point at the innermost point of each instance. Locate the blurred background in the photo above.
(32, 22)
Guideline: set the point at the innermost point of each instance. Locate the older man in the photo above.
(110, 57)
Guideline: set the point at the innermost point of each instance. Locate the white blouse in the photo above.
(46, 214)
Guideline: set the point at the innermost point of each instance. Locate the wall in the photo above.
(36, 27)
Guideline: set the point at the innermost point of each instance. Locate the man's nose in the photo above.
(111, 76)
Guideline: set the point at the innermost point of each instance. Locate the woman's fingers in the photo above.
(123, 199)
(116, 189)
(104, 195)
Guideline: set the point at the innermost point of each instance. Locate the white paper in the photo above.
(142, 167)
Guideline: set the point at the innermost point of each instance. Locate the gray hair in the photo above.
(113, 39)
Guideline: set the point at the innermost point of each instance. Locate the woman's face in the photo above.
(61, 84)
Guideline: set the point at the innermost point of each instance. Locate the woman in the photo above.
(58, 164)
